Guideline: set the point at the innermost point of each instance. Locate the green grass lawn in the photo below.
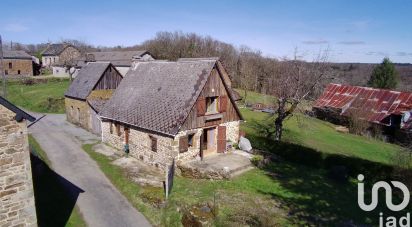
(282, 194)
(53, 205)
(322, 136)
(46, 95)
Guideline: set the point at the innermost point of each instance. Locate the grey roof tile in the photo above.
(158, 96)
(86, 79)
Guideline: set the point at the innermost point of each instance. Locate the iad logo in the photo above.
(390, 221)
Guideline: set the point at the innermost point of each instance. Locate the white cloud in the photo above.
(15, 27)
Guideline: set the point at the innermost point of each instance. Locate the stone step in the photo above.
(240, 170)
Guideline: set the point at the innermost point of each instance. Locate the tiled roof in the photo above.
(375, 104)
(16, 54)
(117, 58)
(158, 96)
(55, 49)
(86, 79)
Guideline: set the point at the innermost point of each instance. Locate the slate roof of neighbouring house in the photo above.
(158, 96)
(55, 49)
(375, 104)
(20, 114)
(16, 54)
(117, 58)
(86, 80)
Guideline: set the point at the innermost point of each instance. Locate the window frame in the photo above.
(153, 143)
(212, 101)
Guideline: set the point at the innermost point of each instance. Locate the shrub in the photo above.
(257, 160)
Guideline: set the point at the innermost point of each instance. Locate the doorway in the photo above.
(208, 145)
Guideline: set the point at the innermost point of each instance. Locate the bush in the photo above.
(257, 160)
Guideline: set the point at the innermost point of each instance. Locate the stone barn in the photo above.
(17, 205)
(172, 110)
(17, 63)
(91, 88)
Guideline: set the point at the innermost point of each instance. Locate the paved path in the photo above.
(100, 203)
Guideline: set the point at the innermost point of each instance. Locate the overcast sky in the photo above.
(354, 30)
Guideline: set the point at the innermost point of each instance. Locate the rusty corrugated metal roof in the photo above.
(375, 104)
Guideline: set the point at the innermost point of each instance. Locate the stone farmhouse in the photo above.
(91, 88)
(122, 60)
(16, 63)
(180, 110)
(17, 205)
(57, 54)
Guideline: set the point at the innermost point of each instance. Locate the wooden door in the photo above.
(221, 139)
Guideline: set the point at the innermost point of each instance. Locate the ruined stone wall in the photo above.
(77, 112)
(17, 206)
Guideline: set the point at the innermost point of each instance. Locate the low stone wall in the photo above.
(16, 187)
(77, 112)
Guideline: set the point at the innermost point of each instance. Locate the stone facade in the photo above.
(232, 131)
(17, 206)
(167, 147)
(78, 112)
(68, 54)
(22, 67)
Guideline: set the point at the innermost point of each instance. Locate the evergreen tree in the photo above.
(384, 75)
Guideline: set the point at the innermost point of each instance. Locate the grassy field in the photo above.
(281, 194)
(54, 207)
(322, 136)
(45, 95)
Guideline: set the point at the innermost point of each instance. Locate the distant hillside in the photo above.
(359, 73)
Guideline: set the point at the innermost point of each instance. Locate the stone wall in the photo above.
(77, 112)
(140, 145)
(167, 148)
(25, 67)
(232, 131)
(17, 206)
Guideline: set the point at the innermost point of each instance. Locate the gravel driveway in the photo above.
(100, 203)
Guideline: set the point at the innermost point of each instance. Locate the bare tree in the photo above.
(295, 81)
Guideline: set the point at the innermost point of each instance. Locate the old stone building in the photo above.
(91, 88)
(122, 60)
(17, 207)
(59, 53)
(16, 63)
(172, 110)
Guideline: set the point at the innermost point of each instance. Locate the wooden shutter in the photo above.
(126, 135)
(183, 144)
(201, 106)
(222, 104)
(221, 139)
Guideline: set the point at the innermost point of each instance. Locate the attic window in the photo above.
(211, 103)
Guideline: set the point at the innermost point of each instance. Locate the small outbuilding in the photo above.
(88, 92)
(164, 111)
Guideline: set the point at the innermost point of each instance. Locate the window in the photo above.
(190, 140)
(111, 128)
(18, 72)
(211, 103)
(10, 65)
(6, 72)
(153, 143)
(119, 133)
